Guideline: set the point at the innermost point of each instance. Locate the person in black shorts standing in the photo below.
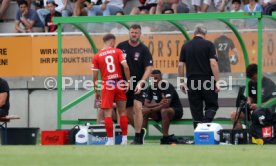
(223, 45)
(162, 104)
(4, 98)
(199, 56)
(139, 60)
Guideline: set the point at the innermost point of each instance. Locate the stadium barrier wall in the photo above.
(37, 55)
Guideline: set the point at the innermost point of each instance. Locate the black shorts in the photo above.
(178, 113)
(147, 7)
(131, 97)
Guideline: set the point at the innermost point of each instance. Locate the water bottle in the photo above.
(226, 136)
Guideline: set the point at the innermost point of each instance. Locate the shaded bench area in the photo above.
(223, 103)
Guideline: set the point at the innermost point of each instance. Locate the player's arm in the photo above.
(215, 71)
(164, 103)
(181, 68)
(148, 69)
(148, 104)
(127, 74)
(141, 83)
(213, 60)
(249, 100)
(126, 70)
(251, 104)
(167, 97)
(95, 83)
(95, 69)
(147, 73)
(3, 98)
(181, 71)
(214, 67)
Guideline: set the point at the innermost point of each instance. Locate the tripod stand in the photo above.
(243, 106)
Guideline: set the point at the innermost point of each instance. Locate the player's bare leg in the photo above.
(149, 114)
(167, 115)
(121, 109)
(109, 126)
(146, 115)
(137, 116)
(138, 122)
(130, 114)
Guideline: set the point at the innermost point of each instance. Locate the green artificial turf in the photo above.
(146, 155)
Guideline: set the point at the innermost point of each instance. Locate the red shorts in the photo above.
(110, 93)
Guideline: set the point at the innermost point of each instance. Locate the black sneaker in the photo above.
(166, 140)
(143, 134)
(136, 141)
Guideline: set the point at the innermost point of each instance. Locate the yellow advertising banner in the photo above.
(76, 55)
(15, 56)
(37, 56)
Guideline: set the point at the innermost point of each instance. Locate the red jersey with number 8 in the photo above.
(108, 61)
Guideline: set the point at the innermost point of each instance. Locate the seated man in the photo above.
(49, 25)
(4, 98)
(268, 89)
(162, 104)
(62, 6)
(27, 19)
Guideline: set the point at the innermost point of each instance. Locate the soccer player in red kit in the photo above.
(110, 61)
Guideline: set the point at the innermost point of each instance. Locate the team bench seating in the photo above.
(3, 124)
(223, 102)
(157, 125)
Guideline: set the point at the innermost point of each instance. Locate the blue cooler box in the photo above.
(97, 134)
(207, 133)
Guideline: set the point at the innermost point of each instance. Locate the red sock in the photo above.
(108, 126)
(124, 124)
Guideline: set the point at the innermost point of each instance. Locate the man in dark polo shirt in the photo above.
(268, 93)
(139, 60)
(199, 56)
(162, 104)
(4, 98)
